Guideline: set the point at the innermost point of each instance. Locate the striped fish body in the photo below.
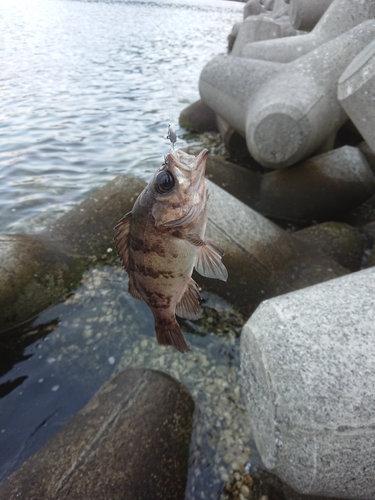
(161, 241)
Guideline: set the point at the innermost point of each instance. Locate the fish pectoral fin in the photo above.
(189, 306)
(209, 264)
(209, 254)
(122, 239)
(169, 333)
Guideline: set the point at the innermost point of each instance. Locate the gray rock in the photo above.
(233, 141)
(319, 188)
(253, 8)
(227, 83)
(198, 117)
(130, 441)
(341, 16)
(288, 122)
(356, 91)
(253, 29)
(262, 259)
(308, 375)
(305, 14)
(342, 242)
(37, 270)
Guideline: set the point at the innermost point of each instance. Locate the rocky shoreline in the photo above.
(296, 218)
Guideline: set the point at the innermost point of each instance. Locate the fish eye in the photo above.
(164, 182)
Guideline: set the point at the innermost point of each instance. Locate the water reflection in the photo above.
(88, 89)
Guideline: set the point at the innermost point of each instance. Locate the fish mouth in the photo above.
(189, 162)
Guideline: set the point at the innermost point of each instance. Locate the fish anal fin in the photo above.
(168, 332)
(209, 254)
(122, 239)
(189, 305)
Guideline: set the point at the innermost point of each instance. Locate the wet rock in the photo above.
(319, 188)
(341, 16)
(340, 241)
(307, 368)
(285, 123)
(130, 441)
(198, 117)
(356, 90)
(305, 14)
(37, 270)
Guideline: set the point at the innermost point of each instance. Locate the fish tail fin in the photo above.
(169, 333)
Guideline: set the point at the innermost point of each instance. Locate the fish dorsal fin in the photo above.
(132, 289)
(209, 254)
(122, 239)
(189, 306)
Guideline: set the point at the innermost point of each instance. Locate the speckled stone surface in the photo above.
(356, 92)
(308, 374)
(130, 441)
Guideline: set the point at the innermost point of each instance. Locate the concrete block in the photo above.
(319, 188)
(198, 117)
(287, 122)
(305, 14)
(356, 93)
(253, 8)
(226, 83)
(130, 441)
(253, 29)
(308, 374)
(341, 16)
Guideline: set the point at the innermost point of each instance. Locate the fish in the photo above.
(162, 240)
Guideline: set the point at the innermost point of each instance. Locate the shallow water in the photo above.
(58, 362)
(88, 88)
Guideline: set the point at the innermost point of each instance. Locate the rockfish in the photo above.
(162, 239)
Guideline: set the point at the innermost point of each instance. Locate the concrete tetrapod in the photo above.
(308, 374)
(286, 121)
(305, 14)
(226, 83)
(253, 29)
(356, 92)
(341, 16)
(131, 441)
(38, 269)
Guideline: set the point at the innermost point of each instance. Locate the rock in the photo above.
(338, 240)
(356, 90)
(227, 83)
(341, 16)
(37, 270)
(368, 154)
(253, 8)
(307, 363)
(319, 188)
(262, 259)
(304, 14)
(240, 182)
(198, 117)
(234, 142)
(253, 29)
(131, 441)
(286, 122)
(233, 35)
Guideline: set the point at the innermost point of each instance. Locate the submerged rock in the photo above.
(130, 441)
